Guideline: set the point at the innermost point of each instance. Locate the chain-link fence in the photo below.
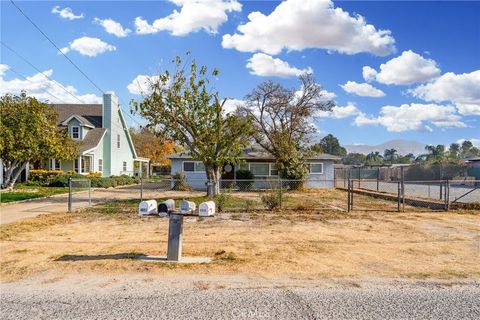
(392, 184)
(79, 193)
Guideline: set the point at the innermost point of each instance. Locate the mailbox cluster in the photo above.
(165, 208)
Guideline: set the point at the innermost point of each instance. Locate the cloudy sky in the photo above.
(396, 70)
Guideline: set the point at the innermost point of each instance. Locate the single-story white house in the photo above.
(260, 163)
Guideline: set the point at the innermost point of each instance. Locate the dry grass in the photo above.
(306, 245)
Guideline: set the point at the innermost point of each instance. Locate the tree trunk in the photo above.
(10, 182)
(213, 180)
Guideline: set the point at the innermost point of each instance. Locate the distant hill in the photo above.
(403, 147)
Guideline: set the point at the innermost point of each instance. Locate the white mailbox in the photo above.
(206, 209)
(187, 207)
(166, 207)
(148, 207)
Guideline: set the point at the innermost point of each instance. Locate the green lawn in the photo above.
(22, 192)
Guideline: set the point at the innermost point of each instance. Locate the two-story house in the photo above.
(105, 144)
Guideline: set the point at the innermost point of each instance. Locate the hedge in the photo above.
(97, 182)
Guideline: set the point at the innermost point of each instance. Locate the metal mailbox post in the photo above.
(175, 237)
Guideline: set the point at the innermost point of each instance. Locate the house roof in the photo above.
(92, 139)
(87, 114)
(258, 155)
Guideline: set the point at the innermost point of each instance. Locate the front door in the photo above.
(228, 172)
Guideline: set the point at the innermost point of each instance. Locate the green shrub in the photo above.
(271, 200)
(221, 201)
(244, 179)
(180, 183)
(60, 181)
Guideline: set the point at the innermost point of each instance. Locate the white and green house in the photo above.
(105, 145)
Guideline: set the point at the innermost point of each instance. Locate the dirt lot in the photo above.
(299, 244)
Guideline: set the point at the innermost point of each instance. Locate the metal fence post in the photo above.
(359, 174)
(141, 189)
(441, 189)
(447, 195)
(378, 178)
(281, 193)
(348, 196)
(399, 196)
(70, 194)
(89, 192)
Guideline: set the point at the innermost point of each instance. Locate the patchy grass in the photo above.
(304, 244)
(23, 192)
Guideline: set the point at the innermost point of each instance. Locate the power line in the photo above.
(26, 79)
(59, 50)
(34, 67)
(66, 57)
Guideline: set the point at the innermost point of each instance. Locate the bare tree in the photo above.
(283, 120)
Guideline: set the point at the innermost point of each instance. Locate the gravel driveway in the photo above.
(121, 298)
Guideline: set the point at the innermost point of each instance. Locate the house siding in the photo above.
(197, 180)
(113, 157)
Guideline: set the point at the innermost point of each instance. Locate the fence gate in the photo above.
(79, 194)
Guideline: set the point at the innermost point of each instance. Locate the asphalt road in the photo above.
(199, 300)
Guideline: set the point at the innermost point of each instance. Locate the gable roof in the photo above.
(92, 139)
(88, 114)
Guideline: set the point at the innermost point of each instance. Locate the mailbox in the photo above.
(166, 207)
(206, 209)
(187, 207)
(148, 207)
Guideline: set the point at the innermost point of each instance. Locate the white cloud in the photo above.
(413, 117)
(88, 46)
(474, 141)
(113, 27)
(461, 89)
(194, 15)
(39, 86)
(369, 73)
(66, 13)
(405, 69)
(232, 104)
(3, 69)
(339, 112)
(362, 89)
(261, 64)
(302, 24)
(141, 84)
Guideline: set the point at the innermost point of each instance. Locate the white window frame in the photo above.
(78, 132)
(54, 163)
(124, 166)
(310, 168)
(100, 165)
(270, 168)
(195, 166)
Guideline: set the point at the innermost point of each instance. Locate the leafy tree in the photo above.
(329, 144)
(374, 158)
(408, 158)
(468, 150)
(282, 119)
(436, 153)
(151, 146)
(454, 151)
(29, 133)
(390, 155)
(185, 109)
(354, 158)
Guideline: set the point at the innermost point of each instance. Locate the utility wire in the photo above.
(26, 79)
(34, 67)
(63, 54)
(59, 50)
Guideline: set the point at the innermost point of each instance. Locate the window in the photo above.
(75, 133)
(316, 168)
(55, 164)
(85, 164)
(100, 165)
(260, 169)
(124, 165)
(273, 169)
(244, 166)
(118, 141)
(76, 165)
(191, 166)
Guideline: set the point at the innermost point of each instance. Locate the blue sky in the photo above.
(427, 89)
